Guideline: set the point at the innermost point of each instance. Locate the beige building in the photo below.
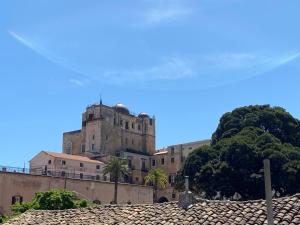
(66, 165)
(170, 160)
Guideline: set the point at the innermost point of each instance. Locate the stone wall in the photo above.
(25, 185)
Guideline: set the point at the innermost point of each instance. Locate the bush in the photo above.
(54, 199)
(82, 203)
(18, 208)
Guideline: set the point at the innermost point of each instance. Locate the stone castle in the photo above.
(113, 130)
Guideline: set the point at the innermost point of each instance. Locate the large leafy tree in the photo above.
(117, 168)
(233, 163)
(158, 178)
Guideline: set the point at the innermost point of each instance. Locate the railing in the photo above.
(65, 174)
(53, 173)
(14, 169)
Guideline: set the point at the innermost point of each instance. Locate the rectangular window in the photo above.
(49, 161)
(153, 162)
(81, 176)
(106, 137)
(83, 148)
(121, 122)
(63, 162)
(127, 125)
(150, 122)
(81, 164)
(98, 167)
(93, 136)
(93, 146)
(170, 179)
(143, 165)
(91, 116)
(172, 150)
(172, 160)
(129, 163)
(132, 141)
(162, 161)
(139, 127)
(132, 125)
(173, 195)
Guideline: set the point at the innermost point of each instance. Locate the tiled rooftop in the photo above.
(72, 157)
(286, 212)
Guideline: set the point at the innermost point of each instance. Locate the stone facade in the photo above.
(22, 187)
(109, 130)
(170, 160)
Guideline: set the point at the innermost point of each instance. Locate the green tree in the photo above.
(233, 163)
(117, 168)
(158, 178)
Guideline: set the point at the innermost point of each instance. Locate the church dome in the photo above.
(143, 115)
(121, 108)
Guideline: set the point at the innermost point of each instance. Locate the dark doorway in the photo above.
(162, 200)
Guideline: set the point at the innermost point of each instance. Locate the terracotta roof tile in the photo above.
(72, 157)
(161, 153)
(286, 211)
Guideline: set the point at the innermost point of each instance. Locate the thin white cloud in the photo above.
(253, 63)
(206, 69)
(165, 11)
(45, 53)
(156, 16)
(173, 68)
(78, 82)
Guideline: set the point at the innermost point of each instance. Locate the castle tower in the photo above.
(107, 130)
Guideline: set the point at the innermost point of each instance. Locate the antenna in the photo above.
(101, 117)
(100, 95)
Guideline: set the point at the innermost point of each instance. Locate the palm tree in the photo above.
(158, 178)
(117, 168)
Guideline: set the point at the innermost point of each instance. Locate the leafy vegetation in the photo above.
(55, 199)
(234, 161)
(117, 168)
(158, 178)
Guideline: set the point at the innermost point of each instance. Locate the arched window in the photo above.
(16, 198)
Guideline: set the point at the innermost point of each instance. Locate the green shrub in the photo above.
(82, 203)
(18, 208)
(55, 199)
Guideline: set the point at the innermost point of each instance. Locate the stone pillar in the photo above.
(186, 184)
(268, 191)
(186, 199)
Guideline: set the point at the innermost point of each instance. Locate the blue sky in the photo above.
(185, 61)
